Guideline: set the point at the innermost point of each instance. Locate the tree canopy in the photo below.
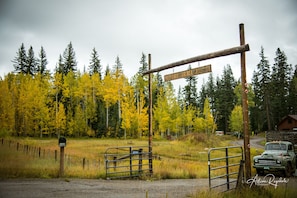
(35, 102)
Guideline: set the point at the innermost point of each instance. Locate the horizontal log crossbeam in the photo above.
(212, 55)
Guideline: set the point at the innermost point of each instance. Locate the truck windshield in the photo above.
(275, 146)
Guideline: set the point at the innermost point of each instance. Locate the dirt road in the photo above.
(254, 142)
(77, 188)
(44, 188)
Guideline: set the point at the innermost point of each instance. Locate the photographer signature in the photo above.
(269, 179)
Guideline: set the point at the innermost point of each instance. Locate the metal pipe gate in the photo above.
(126, 162)
(222, 164)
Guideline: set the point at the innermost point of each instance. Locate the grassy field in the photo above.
(84, 158)
(183, 158)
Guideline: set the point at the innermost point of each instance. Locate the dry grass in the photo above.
(181, 158)
(246, 192)
(17, 164)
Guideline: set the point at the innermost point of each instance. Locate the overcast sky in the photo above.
(170, 30)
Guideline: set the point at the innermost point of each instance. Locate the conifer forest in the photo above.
(103, 102)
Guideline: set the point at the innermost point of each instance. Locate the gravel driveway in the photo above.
(43, 188)
(88, 188)
(254, 142)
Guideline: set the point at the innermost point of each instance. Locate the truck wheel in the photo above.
(288, 170)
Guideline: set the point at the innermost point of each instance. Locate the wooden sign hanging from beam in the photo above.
(188, 73)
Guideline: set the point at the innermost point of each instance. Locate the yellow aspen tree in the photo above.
(7, 107)
(56, 91)
(176, 123)
(41, 99)
(26, 104)
(120, 82)
(209, 124)
(250, 95)
(173, 109)
(69, 88)
(60, 120)
(189, 118)
(84, 93)
(236, 119)
(109, 93)
(142, 116)
(96, 86)
(199, 124)
(168, 111)
(161, 113)
(128, 111)
(14, 86)
(78, 123)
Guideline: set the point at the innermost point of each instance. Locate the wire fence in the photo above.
(54, 155)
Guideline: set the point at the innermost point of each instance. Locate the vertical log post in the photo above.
(227, 169)
(244, 87)
(240, 49)
(150, 118)
(114, 163)
(130, 160)
(61, 161)
(56, 155)
(140, 161)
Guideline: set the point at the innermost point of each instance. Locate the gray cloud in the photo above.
(169, 30)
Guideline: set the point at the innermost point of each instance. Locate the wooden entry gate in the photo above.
(244, 86)
(126, 162)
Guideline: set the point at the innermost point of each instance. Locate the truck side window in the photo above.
(290, 147)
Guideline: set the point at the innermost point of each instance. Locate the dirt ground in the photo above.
(77, 188)
(13, 188)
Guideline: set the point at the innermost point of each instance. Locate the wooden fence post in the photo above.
(56, 153)
(140, 161)
(61, 161)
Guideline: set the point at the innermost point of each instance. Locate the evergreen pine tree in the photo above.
(31, 66)
(202, 96)
(69, 59)
(292, 101)
(117, 68)
(42, 62)
(140, 83)
(190, 91)
(143, 64)
(280, 86)
(20, 61)
(158, 86)
(262, 89)
(95, 66)
(226, 98)
(60, 65)
(211, 92)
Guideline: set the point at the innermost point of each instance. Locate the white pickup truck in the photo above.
(278, 156)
